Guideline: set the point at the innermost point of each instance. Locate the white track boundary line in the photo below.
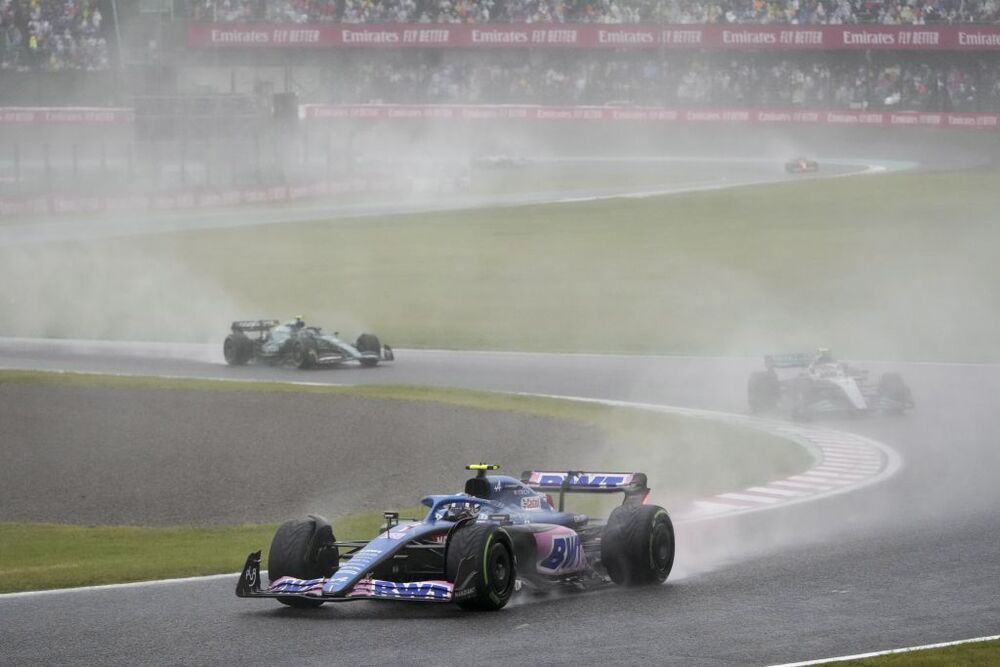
(894, 651)
(779, 429)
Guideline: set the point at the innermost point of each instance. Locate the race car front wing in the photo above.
(249, 586)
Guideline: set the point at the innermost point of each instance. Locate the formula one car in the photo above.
(295, 343)
(475, 548)
(805, 384)
(801, 165)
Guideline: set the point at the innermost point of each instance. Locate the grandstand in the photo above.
(165, 96)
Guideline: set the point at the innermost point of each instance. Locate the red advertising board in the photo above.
(651, 114)
(593, 36)
(108, 116)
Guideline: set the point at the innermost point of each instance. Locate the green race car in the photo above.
(292, 342)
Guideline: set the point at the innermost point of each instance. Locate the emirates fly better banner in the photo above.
(485, 112)
(591, 36)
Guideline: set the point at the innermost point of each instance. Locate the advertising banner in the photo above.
(593, 36)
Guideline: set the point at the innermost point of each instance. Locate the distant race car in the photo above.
(806, 384)
(475, 548)
(295, 343)
(801, 165)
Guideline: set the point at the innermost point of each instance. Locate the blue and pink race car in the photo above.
(476, 548)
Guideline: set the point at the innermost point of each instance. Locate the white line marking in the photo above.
(748, 498)
(850, 458)
(713, 507)
(853, 450)
(818, 480)
(847, 467)
(130, 584)
(874, 654)
(816, 472)
(801, 485)
(776, 492)
(837, 467)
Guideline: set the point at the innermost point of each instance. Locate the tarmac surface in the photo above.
(910, 561)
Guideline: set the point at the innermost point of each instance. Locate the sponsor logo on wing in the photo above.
(293, 585)
(566, 554)
(406, 590)
(592, 479)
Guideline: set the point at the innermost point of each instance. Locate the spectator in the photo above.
(52, 35)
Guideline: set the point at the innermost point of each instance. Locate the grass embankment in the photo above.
(976, 654)
(685, 455)
(43, 556)
(892, 266)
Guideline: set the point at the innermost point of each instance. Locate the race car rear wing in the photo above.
(251, 326)
(632, 484)
(793, 360)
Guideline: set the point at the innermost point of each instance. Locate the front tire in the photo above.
(369, 343)
(637, 547)
(892, 388)
(302, 548)
(483, 556)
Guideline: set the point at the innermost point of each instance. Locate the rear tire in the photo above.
(237, 349)
(763, 391)
(488, 553)
(637, 547)
(301, 548)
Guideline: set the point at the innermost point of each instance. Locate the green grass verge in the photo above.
(977, 654)
(690, 456)
(43, 556)
(893, 266)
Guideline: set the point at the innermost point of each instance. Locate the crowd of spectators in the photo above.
(811, 12)
(52, 35)
(703, 80)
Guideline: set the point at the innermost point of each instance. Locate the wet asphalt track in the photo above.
(911, 561)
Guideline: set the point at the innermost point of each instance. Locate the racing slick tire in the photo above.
(237, 349)
(637, 547)
(482, 555)
(304, 354)
(302, 548)
(892, 387)
(763, 391)
(369, 343)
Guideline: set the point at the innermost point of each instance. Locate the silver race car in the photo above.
(803, 385)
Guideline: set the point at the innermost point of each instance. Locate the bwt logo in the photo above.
(566, 554)
(584, 480)
(414, 590)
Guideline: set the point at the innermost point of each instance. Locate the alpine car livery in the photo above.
(801, 165)
(477, 547)
(804, 384)
(295, 343)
